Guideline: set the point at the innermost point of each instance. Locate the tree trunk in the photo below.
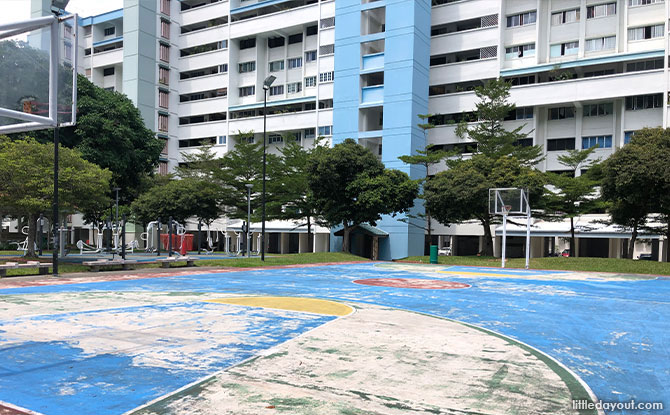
(32, 229)
(488, 238)
(631, 246)
(345, 239)
(1, 228)
(573, 246)
(430, 231)
(310, 237)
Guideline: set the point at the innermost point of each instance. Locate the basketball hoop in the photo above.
(507, 209)
(506, 201)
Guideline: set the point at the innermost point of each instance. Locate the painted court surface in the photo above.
(340, 339)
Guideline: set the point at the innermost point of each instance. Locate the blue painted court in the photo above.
(611, 332)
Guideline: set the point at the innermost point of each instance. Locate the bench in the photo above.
(95, 266)
(43, 268)
(166, 262)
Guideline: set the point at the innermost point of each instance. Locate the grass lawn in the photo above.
(274, 259)
(620, 266)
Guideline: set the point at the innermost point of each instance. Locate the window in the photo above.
(310, 81)
(310, 133)
(645, 65)
(312, 30)
(601, 72)
(564, 49)
(598, 110)
(222, 139)
(109, 31)
(163, 122)
(163, 99)
(520, 51)
(88, 72)
(164, 76)
(294, 63)
(561, 113)
(325, 131)
(566, 16)
(197, 119)
(246, 67)
(521, 80)
(600, 10)
(277, 66)
(110, 88)
(165, 29)
(275, 42)
(87, 31)
(521, 113)
(223, 68)
(521, 19)
(560, 144)
(602, 141)
(326, 76)
(275, 138)
(643, 102)
(68, 51)
(108, 71)
(628, 135)
(647, 32)
(325, 103)
(643, 2)
(327, 22)
(310, 56)
(277, 90)
(164, 52)
(87, 51)
(247, 90)
(294, 88)
(248, 43)
(326, 50)
(600, 43)
(165, 7)
(297, 38)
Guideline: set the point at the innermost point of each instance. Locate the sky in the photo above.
(17, 10)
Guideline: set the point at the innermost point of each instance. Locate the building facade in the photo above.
(584, 72)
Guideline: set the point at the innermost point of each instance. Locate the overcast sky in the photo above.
(16, 10)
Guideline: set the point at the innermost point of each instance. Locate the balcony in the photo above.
(205, 129)
(203, 83)
(372, 95)
(205, 12)
(278, 122)
(463, 10)
(202, 60)
(276, 21)
(373, 61)
(203, 106)
(204, 36)
(469, 39)
(107, 58)
(464, 71)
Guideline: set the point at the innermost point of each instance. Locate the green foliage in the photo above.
(180, 199)
(493, 139)
(26, 181)
(350, 187)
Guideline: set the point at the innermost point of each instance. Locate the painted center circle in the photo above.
(413, 283)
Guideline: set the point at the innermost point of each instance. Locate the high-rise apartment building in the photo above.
(584, 72)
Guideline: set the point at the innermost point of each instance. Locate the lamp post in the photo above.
(266, 85)
(249, 186)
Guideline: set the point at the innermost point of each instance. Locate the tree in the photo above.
(461, 193)
(499, 160)
(636, 181)
(351, 186)
(573, 196)
(179, 199)
(110, 132)
(493, 140)
(26, 182)
(294, 199)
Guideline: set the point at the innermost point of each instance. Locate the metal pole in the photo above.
(504, 238)
(248, 221)
(199, 230)
(40, 232)
(170, 236)
(123, 238)
(116, 189)
(528, 241)
(160, 228)
(53, 114)
(55, 207)
(265, 110)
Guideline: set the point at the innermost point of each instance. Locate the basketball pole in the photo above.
(527, 230)
(53, 114)
(504, 236)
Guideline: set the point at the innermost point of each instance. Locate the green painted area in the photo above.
(275, 355)
(341, 374)
(290, 259)
(620, 268)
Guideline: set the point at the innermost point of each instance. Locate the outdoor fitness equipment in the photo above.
(85, 248)
(511, 201)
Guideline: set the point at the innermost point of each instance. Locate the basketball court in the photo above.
(338, 339)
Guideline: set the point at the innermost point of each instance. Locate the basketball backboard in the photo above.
(38, 77)
(508, 201)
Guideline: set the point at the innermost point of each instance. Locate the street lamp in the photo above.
(266, 85)
(249, 186)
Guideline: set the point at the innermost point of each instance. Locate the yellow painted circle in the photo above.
(309, 305)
